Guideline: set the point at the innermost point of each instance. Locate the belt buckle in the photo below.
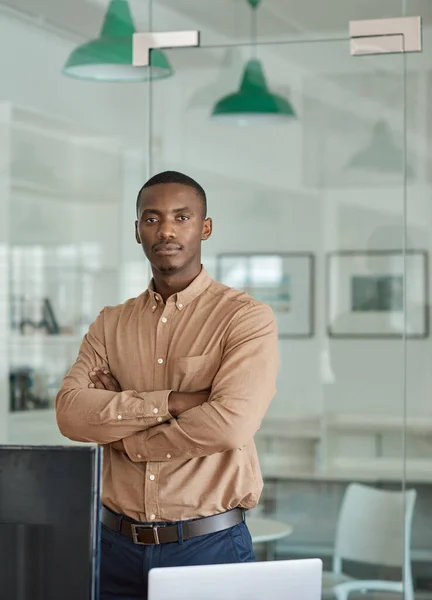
(135, 528)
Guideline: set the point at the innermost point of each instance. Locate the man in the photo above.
(174, 384)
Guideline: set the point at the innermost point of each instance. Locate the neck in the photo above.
(168, 284)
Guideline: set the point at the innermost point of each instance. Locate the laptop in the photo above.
(279, 580)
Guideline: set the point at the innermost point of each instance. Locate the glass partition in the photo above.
(418, 229)
(312, 215)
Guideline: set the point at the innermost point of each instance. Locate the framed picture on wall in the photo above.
(284, 281)
(366, 296)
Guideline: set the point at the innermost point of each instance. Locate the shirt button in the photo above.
(159, 419)
(180, 305)
(119, 417)
(139, 456)
(154, 307)
(152, 477)
(152, 517)
(160, 361)
(164, 319)
(168, 455)
(155, 410)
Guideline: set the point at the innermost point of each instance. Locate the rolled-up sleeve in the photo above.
(102, 416)
(241, 392)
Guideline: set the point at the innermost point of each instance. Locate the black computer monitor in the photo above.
(49, 522)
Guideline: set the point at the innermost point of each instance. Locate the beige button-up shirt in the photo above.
(207, 337)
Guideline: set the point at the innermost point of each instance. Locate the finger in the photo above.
(96, 386)
(107, 380)
(112, 379)
(95, 382)
(102, 375)
(98, 371)
(94, 377)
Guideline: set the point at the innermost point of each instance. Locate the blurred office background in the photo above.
(321, 201)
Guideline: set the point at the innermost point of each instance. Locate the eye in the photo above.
(183, 218)
(151, 220)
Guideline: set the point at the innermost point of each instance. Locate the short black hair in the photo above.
(175, 177)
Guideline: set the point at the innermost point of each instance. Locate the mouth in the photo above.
(167, 249)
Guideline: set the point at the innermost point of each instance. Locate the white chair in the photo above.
(374, 527)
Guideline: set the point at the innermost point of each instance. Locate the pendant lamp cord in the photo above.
(254, 31)
(254, 25)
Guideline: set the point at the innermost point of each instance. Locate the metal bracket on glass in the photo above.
(386, 36)
(144, 42)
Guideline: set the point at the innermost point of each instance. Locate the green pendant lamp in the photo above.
(253, 103)
(109, 57)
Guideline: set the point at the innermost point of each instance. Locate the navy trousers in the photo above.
(124, 566)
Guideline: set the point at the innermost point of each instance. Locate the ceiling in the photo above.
(278, 19)
(281, 19)
(81, 17)
(229, 20)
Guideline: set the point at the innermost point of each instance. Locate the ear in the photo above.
(207, 229)
(137, 235)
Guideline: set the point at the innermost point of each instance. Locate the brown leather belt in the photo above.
(145, 534)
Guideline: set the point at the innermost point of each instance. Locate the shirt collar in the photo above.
(183, 298)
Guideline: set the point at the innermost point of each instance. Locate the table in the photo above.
(267, 531)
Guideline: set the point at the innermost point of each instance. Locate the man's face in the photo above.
(171, 226)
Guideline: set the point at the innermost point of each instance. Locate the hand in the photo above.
(101, 379)
(180, 402)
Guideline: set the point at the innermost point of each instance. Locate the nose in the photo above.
(166, 231)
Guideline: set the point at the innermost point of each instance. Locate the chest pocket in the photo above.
(196, 373)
